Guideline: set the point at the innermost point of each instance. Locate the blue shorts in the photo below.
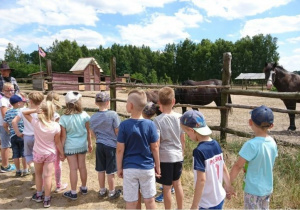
(105, 159)
(169, 172)
(5, 138)
(17, 145)
(219, 206)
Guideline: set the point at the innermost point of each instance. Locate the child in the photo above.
(149, 110)
(47, 139)
(136, 148)
(35, 99)
(75, 136)
(8, 91)
(209, 166)
(171, 147)
(104, 127)
(17, 143)
(257, 156)
(54, 98)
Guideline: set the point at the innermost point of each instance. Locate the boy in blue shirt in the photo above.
(137, 154)
(104, 126)
(257, 157)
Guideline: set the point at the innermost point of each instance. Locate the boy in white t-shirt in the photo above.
(35, 99)
(8, 91)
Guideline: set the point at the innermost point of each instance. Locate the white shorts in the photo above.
(135, 179)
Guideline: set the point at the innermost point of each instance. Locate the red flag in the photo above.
(41, 52)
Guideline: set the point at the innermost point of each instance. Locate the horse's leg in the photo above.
(291, 104)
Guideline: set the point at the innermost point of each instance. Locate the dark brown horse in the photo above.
(284, 81)
(152, 95)
(199, 96)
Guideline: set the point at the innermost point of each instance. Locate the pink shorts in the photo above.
(38, 158)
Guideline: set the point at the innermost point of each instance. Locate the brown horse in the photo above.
(152, 95)
(284, 81)
(199, 96)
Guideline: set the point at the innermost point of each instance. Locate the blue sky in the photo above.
(154, 23)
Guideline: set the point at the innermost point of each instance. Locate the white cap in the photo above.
(72, 97)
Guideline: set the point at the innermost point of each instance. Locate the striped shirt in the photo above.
(9, 116)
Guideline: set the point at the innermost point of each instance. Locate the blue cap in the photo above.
(15, 99)
(262, 116)
(195, 119)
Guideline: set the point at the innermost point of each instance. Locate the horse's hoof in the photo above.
(292, 128)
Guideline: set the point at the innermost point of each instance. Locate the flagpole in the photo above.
(41, 68)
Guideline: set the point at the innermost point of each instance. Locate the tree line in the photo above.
(174, 64)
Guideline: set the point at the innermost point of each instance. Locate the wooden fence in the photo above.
(224, 108)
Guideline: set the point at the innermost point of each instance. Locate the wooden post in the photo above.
(112, 87)
(224, 97)
(49, 74)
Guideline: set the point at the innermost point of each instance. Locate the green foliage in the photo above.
(176, 63)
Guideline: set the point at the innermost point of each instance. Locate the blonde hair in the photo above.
(138, 98)
(73, 108)
(47, 115)
(7, 85)
(36, 97)
(166, 95)
(54, 97)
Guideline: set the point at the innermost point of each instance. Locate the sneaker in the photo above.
(161, 188)
(61, 188)
(83, 192)
(26, 173)
(47, 203)
(36, 198)
(172, 190)
(160, 198)
(10, 167)
(18, 173)
(115, 195)
(68, 194)
(102, 195)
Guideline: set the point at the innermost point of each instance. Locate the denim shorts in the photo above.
(17, 146)
(5, 138)
(105, 159)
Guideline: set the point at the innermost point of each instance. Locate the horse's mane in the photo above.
(280, 68)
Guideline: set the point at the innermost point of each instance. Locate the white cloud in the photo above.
(126, 7)
(297, 51)
(161, 29)
(54, 12)
(232, 9)
(294, 40)
(291, 63)
(276, 25)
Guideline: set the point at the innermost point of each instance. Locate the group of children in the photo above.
(139, 150)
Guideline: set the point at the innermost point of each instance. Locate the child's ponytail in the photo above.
(47, 115)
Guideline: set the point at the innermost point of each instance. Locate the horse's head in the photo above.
(270, 73)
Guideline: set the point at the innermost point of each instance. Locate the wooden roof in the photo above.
(251, 76)
(82, 63)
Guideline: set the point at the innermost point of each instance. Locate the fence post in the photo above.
(112, 87)
(226, 75)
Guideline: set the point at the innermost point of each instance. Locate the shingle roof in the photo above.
(82, 63)
(251, 76)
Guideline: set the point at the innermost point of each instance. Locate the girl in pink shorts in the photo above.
(47, 139)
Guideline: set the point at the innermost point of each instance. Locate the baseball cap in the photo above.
(262, 116)
(103, 96)
(195, 119)
(72, 97)
(15, 99)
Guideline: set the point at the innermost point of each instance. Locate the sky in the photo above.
(153, 23)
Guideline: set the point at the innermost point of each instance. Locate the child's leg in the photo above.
(38, 176)
(17, 164)
(4, 156)
(132, 205)
(57, 165)
(47, 175)
(150, 203)
(82, 169)
(178, 193)
(111, 181)
(24, 164)
(5, 145)
(73, 165)
(101, 179)
(167, 196)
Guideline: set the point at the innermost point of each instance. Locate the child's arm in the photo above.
(116, 131)
(120, 154)
(237, 167)
(3, 111)
(182, 140)
(63, 136)
(228, 188)
(59, 146)
(90, 146)
(14, 123)
(27, 113)
(93, 135)
(199, 187)
(155, 152)
(5, 126)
